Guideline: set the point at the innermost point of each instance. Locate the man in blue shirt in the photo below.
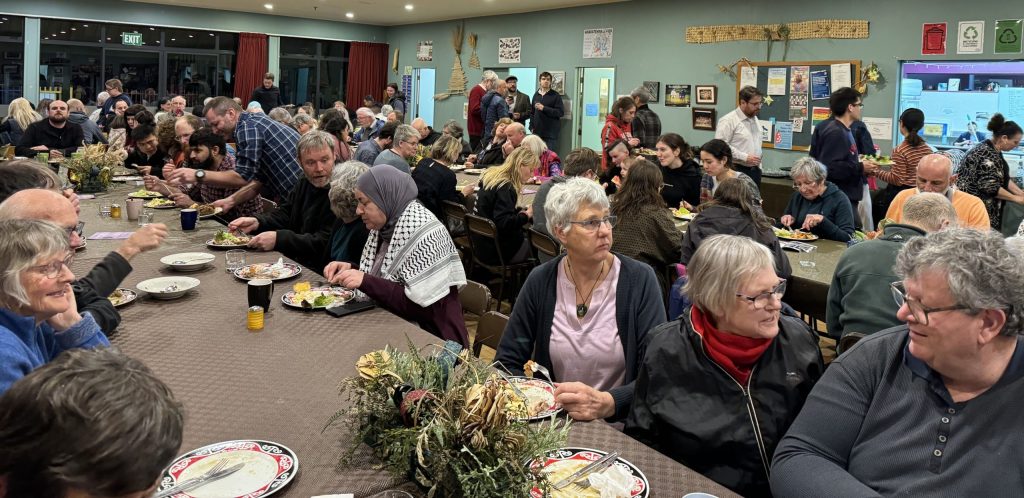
(265, 157)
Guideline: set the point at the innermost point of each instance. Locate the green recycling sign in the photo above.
(1008, 36)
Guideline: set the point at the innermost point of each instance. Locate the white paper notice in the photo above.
(840, 76)
(748, 76)
(776, 81)
(879, 128)
(766, 130)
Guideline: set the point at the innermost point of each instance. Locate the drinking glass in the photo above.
(234, 259)
(808, 260)
(145, 217)
(105, 209)
(115, 211)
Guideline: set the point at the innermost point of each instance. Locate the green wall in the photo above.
(649, 44)
(186, 17)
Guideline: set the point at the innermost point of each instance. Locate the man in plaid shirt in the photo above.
(646, 124)
(265, 157)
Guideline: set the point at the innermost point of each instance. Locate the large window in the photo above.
(12, 46)
(313, 71)
(78, 57)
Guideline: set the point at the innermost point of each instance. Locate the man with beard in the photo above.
(300, 227)
(54, 135)
(518, 102)
(207, 152)
(740, 130)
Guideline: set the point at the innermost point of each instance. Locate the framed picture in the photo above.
(704, 119)
(655, 88)
(707, 94)
(558, 81)
(677, 95)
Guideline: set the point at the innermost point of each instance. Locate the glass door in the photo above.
(139, 72)
(597, 94)
(423, 93)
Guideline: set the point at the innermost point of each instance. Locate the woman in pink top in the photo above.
(584, 315)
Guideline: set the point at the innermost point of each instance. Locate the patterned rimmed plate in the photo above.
(264, 270)
(341, 296)
(268, 468)
(122, 296)
(561, 463)
(538, 392)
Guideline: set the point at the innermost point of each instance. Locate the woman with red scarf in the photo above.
(719, 387)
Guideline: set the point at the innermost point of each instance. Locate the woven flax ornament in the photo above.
(825, 28)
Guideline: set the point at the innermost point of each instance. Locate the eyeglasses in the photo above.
(762, 300)
(75, 229)
(800, 185)
(859, 104)
(593, 225)
(52, 270)
(410, 142)
(920, 311)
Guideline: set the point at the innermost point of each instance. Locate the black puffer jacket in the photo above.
(689, 408)
(728, 220)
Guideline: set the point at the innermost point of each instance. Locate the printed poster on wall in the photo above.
(748, 77)
(970, 37)
(784, 135)
(425, 51)
(597, 43)
(933, 38)
(819, 85)
(510, 50)
(1008, 34)
(766, 129)
(776, 81)
(841, 76)
(819, 114)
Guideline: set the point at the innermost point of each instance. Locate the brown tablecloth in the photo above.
(280, 384)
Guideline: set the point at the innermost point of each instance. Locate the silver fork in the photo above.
(538, 368)
(179, 487)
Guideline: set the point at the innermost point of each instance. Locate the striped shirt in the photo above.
(267, 153)
(904, 164)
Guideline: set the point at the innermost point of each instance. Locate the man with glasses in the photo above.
(932, 407)
(403, 147)
(857, 301)
(740, 130)
(834, 145)
(92, 290)
(53, 135)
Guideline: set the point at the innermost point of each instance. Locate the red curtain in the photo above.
(250, 64)
(367, 72)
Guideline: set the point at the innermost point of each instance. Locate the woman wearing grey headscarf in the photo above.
(409, 265)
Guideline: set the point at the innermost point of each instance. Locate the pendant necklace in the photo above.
(582, 309)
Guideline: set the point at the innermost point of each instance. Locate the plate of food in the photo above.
(879, 160)
(225, 239)
(142, 193)
(307, 297)
(646, 152)
(122, 296)
(474, 171)
(612, 481)
(254, 468)
(168, 287)
(125, 178)
(188, 261)
(683, 214)
(206, 210)
(794, 234)
(272, 271)
(539, 402)
(160, 204)
(457, 167)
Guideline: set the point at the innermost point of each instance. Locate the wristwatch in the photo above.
(200, 175)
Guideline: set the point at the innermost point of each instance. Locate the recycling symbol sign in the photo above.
(1008, 36)
(971, 33)
(972, 37)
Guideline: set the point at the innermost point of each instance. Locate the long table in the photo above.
(280, 384)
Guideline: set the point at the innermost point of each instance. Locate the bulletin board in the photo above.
(780, 106)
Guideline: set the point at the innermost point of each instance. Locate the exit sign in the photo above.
(133, 39)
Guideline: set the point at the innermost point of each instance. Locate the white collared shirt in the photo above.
(742, 133)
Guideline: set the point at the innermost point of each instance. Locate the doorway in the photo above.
(595, 92)
(526, 80)
(423, 80)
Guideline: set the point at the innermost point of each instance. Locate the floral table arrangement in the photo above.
(93, 166)
(448, 421)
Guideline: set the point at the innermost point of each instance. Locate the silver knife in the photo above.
(190, 484)
(596, 466)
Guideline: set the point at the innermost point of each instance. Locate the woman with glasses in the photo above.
(584, 315)
(646, 231)
(498, 201)
(38, 314)
(719, 387)
(817, 206)
(734, 211)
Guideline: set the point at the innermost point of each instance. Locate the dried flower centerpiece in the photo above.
(448, 421)
(93, 166)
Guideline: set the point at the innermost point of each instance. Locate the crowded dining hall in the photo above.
(551, 248)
